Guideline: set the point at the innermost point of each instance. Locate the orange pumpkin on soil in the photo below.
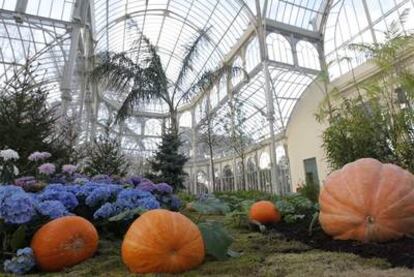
(368, 201)
(264, 212)
(64, 242)
(160, 241)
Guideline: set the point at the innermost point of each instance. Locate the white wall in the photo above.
(304, 133)
(304, 136)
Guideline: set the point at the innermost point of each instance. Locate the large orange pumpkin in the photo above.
(368, 201)
(264, 212)
(160, 241)
(64, 242)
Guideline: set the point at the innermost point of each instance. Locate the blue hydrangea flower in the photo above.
(86, 189)
(6, 191)
(68, 199)
(52, 209)
(175, 203)
(73, 188)
(22, 263)
(135, 198)
(17, 208)
(102, 194)
(148, 203)
(106, 210)
(163, 188)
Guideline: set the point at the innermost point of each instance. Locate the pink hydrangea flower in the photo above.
(39, 156)
(47, 168)
(69, 168)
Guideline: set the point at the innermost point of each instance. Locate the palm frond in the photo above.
(211, 78)
(116, 70)
(192, 51)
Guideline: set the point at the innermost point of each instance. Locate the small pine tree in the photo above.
(106, 156)
(26, 122)
(168, 163)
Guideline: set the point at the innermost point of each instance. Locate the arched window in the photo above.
(214, 97)
(252, 55)
(279, 48)
(308, 55)
(198, 112)
(185, 120)
(153, 127)
(264, 162)
(228, 178)
(222, 88)
(237, 79)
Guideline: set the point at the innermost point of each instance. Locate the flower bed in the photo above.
(109, 204)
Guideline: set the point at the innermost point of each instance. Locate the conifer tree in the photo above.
(168, 163)
(106, 156)
(26, 122)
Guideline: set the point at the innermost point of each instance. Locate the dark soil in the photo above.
(399, 253)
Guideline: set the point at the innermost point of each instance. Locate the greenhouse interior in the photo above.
(207, 137)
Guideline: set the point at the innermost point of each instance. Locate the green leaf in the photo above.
(18, 238)
(127, 214)
(216, 239)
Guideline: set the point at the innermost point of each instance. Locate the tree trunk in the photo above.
(174, 121)
(243, 173)
(212, 170)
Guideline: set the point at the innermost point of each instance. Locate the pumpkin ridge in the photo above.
(385, 198)
(344, 208)
(351, 208)
(168, 242)
(355, 197)
(398, 201)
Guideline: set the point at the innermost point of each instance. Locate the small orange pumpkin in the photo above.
(368, 201)
(264, 212)
(160, 241)
(64, 242)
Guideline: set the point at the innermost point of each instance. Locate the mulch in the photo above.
(399, 253)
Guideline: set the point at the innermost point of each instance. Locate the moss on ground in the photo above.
(262, 255)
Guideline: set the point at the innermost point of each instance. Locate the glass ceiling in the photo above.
(42, 30)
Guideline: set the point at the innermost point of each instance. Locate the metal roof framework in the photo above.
(281, 43)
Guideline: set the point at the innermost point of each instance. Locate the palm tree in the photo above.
(144, 79)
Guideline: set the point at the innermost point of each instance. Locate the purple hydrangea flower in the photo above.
(163, 188)
(101, 178)
(39, 156)
(47, 168)
(135, 180)
(69, 168)
(146, 186)
(25, 182)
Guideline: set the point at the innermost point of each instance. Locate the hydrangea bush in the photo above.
(110, 204)
(22, 263)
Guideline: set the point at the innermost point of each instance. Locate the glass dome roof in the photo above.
(62, 36)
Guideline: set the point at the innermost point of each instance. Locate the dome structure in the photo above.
(283, 46)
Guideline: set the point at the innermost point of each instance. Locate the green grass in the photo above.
(262, 255)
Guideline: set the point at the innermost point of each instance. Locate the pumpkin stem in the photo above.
(370, 219)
